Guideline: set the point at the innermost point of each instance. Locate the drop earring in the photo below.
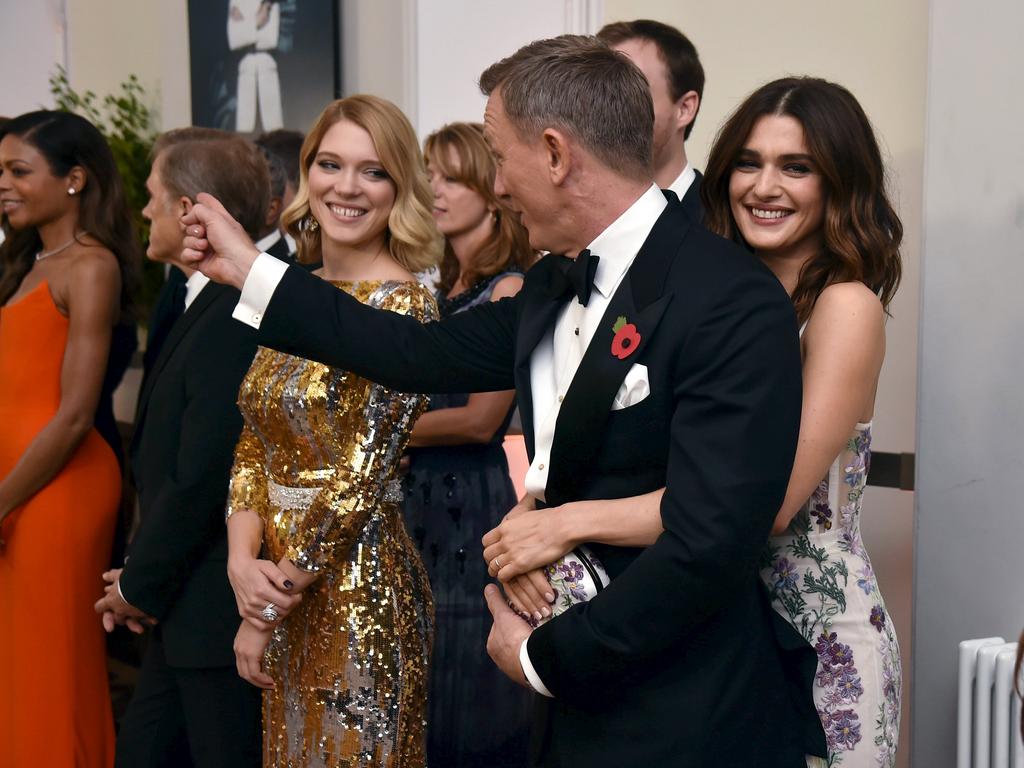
(310, 224)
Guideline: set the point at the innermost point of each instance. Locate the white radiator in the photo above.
(988, 710)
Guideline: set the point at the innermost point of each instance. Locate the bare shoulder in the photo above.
(849, 315)
(851, 302)
(506, 287)
(94, 262)
(92, 273)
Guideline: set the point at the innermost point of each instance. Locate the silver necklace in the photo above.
(47, 254)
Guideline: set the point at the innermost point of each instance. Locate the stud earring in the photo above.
(71, 190)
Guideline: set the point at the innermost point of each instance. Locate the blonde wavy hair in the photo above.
(412, 237)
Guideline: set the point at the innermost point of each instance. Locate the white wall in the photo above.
(376, 51)
(970, 530)
(100, 43)
(457, 40)
(31, 43)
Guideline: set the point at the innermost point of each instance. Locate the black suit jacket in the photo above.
(692, 204)
(681, 660)
(279, 250)
(166, 310)
(186, 428)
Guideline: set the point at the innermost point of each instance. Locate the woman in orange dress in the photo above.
(65, 270)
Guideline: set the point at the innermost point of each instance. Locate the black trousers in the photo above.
(180, 717)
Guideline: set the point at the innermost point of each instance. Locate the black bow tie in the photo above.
(577, 275)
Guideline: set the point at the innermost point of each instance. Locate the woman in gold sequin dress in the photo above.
(313, 485)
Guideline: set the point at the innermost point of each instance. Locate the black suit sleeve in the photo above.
(733, 438)
(188, 514)
(469, 352)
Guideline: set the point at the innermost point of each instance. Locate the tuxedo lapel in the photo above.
(199, 306)
(279, 250)
(537, 317)
(588, 401)
(691, 200)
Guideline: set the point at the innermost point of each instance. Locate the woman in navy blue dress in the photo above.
(458, 485)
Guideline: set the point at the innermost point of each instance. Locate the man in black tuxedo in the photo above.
(190, 706)
(670, 63)
(271, 239)
(680, 660)
(170, 300)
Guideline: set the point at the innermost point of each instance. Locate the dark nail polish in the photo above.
(288, 584)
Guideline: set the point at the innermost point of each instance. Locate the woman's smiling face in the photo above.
(350, 193)
(775, 190)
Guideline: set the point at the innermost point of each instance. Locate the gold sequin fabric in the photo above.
(317, 460)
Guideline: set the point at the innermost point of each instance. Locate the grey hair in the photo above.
(278, 172)
(230, 169)
(579, 85)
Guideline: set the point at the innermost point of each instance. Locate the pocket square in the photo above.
(633, 389)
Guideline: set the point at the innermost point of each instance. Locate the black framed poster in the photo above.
(260, 65)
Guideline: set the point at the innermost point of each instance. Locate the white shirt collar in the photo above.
(195, 283)
(683, 181)
(269, 241)
(618, 245)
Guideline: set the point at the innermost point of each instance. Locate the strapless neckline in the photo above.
(29, 295)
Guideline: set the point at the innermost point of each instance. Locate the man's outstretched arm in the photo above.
(298, 313)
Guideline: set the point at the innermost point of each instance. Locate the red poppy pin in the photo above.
(626, 339)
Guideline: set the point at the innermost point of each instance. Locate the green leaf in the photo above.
(619, 323)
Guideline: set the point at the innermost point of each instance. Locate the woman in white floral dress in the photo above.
(796, 176)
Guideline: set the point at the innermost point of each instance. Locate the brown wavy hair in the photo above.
(862, 233)
(508, 247)
(411, 236)
(66, 141)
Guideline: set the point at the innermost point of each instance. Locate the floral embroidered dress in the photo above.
(820, 579)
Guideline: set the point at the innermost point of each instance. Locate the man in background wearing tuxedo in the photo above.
(670, 63)
(680, 660)
(190, 706)
(271, 239)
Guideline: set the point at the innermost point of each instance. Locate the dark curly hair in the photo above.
(862, 233)
(67, 140)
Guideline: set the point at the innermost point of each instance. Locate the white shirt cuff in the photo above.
(119, 592)
(531, 674)
(258, 289)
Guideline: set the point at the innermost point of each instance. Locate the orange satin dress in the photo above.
(54, 696)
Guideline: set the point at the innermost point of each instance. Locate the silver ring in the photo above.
(495, 564)
(270, 613)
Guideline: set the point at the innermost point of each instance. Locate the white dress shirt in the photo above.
(558, 355)
(195, 283)
(556, 358)
(683, 181)
(269, 241)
